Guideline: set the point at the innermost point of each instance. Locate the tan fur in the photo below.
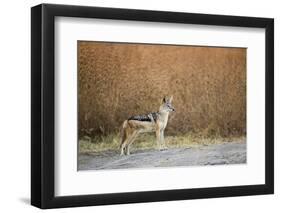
(132, 128)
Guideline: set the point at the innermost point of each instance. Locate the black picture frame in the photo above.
(43, 102)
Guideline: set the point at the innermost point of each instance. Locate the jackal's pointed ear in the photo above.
(171, 99)
(164, 99)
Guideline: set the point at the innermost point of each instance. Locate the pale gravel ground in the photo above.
(226, 153)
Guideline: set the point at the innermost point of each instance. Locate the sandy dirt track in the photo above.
(226, 153)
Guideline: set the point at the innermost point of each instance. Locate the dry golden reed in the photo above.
(117, 80)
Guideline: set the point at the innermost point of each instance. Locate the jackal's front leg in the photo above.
(162, 140)
(158, 139)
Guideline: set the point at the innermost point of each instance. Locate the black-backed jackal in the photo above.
(152, 122)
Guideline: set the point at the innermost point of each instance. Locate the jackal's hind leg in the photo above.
(123, 147)
(130, 141)
(123, 144)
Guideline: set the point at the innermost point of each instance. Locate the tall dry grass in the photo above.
(119, 80)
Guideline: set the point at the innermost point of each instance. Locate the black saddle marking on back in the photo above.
(154, 115)
(144, 117)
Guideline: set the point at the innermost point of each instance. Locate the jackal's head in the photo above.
(166, 105)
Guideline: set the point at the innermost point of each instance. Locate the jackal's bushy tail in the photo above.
(122, 132)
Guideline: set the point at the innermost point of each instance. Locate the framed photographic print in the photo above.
(139, 106)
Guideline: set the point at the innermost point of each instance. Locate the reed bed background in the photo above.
(117, 80)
